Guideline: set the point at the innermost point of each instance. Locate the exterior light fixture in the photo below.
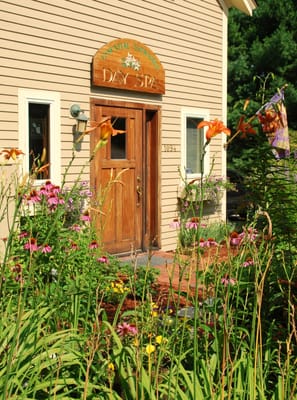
(81, 118)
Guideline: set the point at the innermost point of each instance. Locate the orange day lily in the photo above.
(11, 153)
(245, 127)
(214, 128)
(106, 129)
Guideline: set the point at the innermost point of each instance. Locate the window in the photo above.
(192, 144)
(39, 132)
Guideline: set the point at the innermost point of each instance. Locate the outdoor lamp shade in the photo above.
(81, 118)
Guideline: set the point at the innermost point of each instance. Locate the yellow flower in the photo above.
(110, 366)
(160, 339)
(150, 348)
(154, 308)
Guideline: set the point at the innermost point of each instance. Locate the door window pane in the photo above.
(118, 142)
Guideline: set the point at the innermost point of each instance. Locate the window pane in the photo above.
(194, 143)
(39, 136)
(118, 142)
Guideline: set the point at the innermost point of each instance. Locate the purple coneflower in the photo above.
(31, 245)
(228, 281)
(126, 329)
(46, 249)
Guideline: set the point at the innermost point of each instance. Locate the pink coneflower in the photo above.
(73, 246)
(248, 262)
(235, 239)
(226, 280)
(175, 224)
(93, 245)
(46, 249)
(34, 197)
(126, 329)
(103, 259)
(75, 227)
(23, 234)
(85, 217)
(56, 189)
(192, 224)
(52, 200)
(31, 245)
(210, 242)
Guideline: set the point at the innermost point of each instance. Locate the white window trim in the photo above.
(26, 96)
(194, 113)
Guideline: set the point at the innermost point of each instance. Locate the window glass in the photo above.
(194, 145)
(118, 142)
(39, 149)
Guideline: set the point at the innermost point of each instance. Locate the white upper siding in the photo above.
(49, 45)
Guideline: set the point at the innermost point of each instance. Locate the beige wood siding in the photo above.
(49, 45)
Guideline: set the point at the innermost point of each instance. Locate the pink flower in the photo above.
(34, 197)
(125, 329)
(102, 259)
(192, 225)
(31, 245)
(23, 234)
(46, 249)
(76, 228)
(53, 200)
(73, 246)
(248, 262)
(85, 217)
(228, 281)
(175, 224)
(93, 245)
(235, 239)
(207, 243)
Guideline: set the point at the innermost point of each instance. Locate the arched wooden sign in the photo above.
(130, 65)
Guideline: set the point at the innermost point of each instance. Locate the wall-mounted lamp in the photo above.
(81, 118)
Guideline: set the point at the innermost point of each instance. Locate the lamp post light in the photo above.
(81, 118)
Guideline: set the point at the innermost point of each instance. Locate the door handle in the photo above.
(138, 191)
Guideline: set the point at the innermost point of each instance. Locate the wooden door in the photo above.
(117, 176)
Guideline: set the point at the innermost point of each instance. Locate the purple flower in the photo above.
(34, 197)
(192, 225)
(175, 224)
(46, 249)
(23, 234)
(248, 262)
(85, 217)
(76, 228)
(126, 329)
(31, 245)
(228, 281)
(93, 245)
(207, 243)
(103, 259)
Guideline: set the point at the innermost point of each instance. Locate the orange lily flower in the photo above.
(106, 129)
(214, 128)
(245, 127)
(11, 153)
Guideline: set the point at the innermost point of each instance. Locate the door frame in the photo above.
(151, 116)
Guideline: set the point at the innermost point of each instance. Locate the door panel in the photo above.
(117, 174)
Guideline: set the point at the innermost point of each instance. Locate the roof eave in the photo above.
(246, 6)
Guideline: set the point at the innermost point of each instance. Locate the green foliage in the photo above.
(258, 45)
(233, 335)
